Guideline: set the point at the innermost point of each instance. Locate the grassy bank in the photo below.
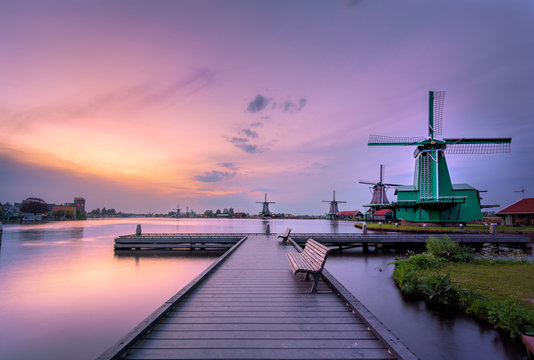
(476, 228)
(496, 291)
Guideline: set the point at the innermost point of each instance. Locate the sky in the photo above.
(143, 105)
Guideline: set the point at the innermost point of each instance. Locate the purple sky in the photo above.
(140, 105)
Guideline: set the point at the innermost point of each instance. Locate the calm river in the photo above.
(64, 294)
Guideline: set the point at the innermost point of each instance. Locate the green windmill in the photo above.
(433, 197)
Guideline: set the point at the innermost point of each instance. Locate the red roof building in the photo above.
(519, 213)
(383, 214)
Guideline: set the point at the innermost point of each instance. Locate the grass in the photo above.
(490, 288)
(497, 281)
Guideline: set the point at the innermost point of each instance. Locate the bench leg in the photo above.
(316, 278)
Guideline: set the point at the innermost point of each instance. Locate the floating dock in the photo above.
(248, 305)
(177, 241)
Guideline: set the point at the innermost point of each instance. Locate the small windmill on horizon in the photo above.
(265, 213)
(334, 210)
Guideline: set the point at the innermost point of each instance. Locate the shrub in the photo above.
(406, 276)
(438, 289)
(448, 249)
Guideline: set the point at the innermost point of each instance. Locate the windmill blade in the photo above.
(341, 202)
(439, 97)
(394, 140)
(478, 145)
(367, 182)
(393, 184)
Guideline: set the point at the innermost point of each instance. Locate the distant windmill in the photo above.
(432, 197)
(265, 213)
(522, 191)
(333, 206)
(379, 188)
(177, 210)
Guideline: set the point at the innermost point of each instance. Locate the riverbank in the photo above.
(467, 229)
(496, 287)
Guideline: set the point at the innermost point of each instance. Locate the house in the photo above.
(519, 213)
(349, 214)
(383, 215)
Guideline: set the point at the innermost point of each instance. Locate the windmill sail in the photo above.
(478, 145)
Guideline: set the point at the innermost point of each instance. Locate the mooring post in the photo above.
(493, 228)
(364, 229)
(138, 230)
(268, 229)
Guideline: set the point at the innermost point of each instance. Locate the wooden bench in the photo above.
(285, 235)
(310, 261)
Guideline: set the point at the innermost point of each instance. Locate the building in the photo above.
(79, 204)
(519, 213)
(383, 215)
(349, 214)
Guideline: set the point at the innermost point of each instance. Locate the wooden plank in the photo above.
(259, 344)
(275, 326)
(239, 334)
(259, 354)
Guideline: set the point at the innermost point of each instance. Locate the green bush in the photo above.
(406, 276)
(438, 289)
(448, 249)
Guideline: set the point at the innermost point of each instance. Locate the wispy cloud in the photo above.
(214, 176)
(229, 165)
(133, 98)
(292, 107)
(249, 148)
(250, 133)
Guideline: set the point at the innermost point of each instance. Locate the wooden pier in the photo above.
(177, 241)
(248, 305)
(380, 239)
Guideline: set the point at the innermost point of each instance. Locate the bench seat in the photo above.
(310, 261)
(284, 236)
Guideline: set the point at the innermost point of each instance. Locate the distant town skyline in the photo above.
(141, 105)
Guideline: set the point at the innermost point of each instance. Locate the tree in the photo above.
(34, 206)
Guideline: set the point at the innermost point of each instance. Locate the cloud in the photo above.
(249, 148)
(228, 165)
(256, 124)
(215, 176)
(292, 107)
(257, 104)
(250, 133)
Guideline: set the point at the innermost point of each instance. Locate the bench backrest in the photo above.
(315, 253)
(288, 231)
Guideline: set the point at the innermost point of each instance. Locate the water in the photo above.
(64, 294)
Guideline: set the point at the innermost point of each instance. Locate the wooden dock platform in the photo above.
(351, 240)
(177, 241)
(248, 305)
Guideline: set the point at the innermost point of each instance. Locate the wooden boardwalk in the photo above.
(350, 240)
(251, 307)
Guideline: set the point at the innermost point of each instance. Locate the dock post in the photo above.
(364, 229)
(138, 230)
(268, 229)
(493, 229)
